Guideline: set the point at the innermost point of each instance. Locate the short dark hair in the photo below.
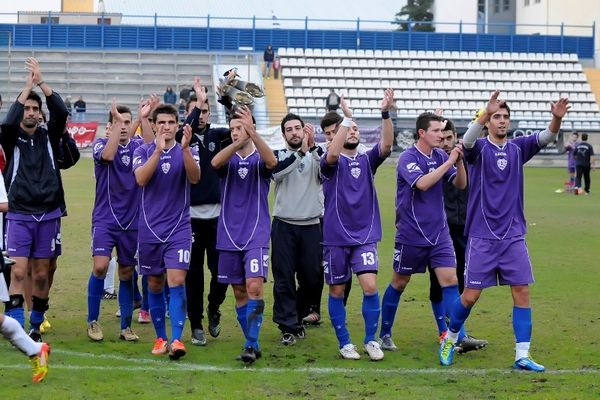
(584, 136)
(331, 118)
(194, 98)
(450, 126)
(575, 133)
(35, 97)
(165, 109)
(122, 110)
(290, 117)
(424, 120)
(505, 106)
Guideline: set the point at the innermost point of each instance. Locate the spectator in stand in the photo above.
(80, 108)
(268, 57)
(69, 105)
(169, 97)
(184, 94)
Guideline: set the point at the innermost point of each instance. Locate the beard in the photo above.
(350, 146)
(294, 146)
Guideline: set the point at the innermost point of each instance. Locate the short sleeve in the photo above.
(140, 157)
(408, 168)
(97, 149)
(375, 158)
(327, 170)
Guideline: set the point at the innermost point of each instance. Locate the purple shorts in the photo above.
(32, 239)
(104, 240)
(492, 262)
(155, 258)
(236, 266)
(339, 262)
(410, 260)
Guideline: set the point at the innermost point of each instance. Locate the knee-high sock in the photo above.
(177, 311)
(439, 314)
(389, 306)
(137, 296)
(95, 290)
(38, 309)
(458, 315)
(14, 332)
(126, 302)
(337, 313)
(14, 308)
(522, 326)
(450, 295)
(156, 302)
(256, 308)
(242, 317)
(145, 305)
(371, 309)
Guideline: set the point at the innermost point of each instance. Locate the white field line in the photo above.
(161, 365)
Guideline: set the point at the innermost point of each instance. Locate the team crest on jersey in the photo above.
(300, 167)
(126, 160)
(413, 167)
(211, 146)
(166, 167)
(502, 163)
(355, 172)
(242, 172)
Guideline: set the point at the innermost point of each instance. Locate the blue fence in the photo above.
(209, 38)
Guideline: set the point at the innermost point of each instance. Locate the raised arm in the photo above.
(192, 169)
(475, 129)
(558, 109)
(144, 174)
(335, 148)
(263, 148)
(112, 144)
(387, 132)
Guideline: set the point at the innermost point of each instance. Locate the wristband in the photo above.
(385, 115)
(40, 83)
(313, 148)
(301, 153)
(346, 122)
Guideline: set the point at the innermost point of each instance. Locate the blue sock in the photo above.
(137, 296)
(156, 302)
(126, 302)
(450, 295)
(389, 306)
(145, 305)
(95, 291)
(177, 311)
(522, 324)
(18, 313)
(337, 313)
(458, 315)
(256, 308)
(243, 319)
(370, 310)
(439, 314)
(35, 319)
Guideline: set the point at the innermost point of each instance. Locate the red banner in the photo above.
(84, 133)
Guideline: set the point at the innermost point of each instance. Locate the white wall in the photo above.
(455, 11)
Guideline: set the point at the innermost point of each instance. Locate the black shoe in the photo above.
(214, 322)
(300, 334)
(248, 355)
(287, 339)
(36, 336)
(469, 343)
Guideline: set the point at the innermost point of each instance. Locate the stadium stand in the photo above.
(458, 82)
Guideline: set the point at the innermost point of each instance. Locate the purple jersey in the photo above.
(117, 193)
(570, 148)
(495, 207)
(165, 200)
(244, 222)
(351, 215)
(420, 215)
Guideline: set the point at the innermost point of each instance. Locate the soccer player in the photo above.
(352, 225)
(34, 192)
(205, 208)
(114, 220)
(584, 162)
(38, 353)
(245, 169)
(496, 227)
(569, 148)
(422, 237)
(455, 204)
(296, 230)
(165, 169)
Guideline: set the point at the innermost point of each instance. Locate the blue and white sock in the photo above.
(95, 291)
(256, 308)
(156, 302)
(177, 311)
(337, 313)
(370, 310)
(126, 302)
(389, 306)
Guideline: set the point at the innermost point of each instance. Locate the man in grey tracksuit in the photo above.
(296, 229)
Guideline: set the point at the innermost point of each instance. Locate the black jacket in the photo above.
(208, 142)
(32, 179)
